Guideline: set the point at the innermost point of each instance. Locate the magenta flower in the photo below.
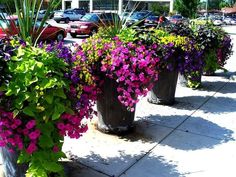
(55, 149)
(31, 148)
(34, 135)
(30, 124)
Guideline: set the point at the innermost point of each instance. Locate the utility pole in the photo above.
(207, 10)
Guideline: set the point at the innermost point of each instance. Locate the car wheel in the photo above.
(67, 20)
(58, 21)
(93, 31)
(60, 37)
(73, 35)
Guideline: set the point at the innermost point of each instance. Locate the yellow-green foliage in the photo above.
(163, 37)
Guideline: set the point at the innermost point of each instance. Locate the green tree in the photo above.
(224, 4)
(159, 8)
(187, 8)
(214, 4)
(231, 2)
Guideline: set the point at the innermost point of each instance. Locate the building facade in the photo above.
(112, 5)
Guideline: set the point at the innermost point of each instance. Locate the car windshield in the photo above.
(90, 18)
(152, 18)
(139, 15)
(38, 23)
(177, 17)
(3, 24)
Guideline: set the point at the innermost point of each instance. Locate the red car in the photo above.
(89, 23)
(10, 27)
(178, 19)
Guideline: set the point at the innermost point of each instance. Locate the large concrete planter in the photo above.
(113, 117)
(10, 166)
(163, 91)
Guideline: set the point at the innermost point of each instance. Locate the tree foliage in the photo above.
(187, 8)
(224, 4)
(159, 8)
(214, 4)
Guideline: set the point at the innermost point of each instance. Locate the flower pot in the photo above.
(10, 166)
(209, 73)
(163, 91)
(190, 81)
(113, 117)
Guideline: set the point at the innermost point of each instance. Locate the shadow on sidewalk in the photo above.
(132, 155)
(193, 126)
(215, 105)
(229, 87)
(138, 167)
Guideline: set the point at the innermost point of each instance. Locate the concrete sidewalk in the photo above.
(193, 138)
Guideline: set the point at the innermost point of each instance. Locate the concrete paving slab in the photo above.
(216, 118)
(79, 170)
(187, 101)
(113, 154)
(161, 115)
(188, 155)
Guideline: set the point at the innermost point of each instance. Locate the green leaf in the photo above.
(69, 110)
(58, 110)
(15, 112)
(49, 98)
(24, 157)
(9, 92)
(29, 111)
(21, 52)
(52, 166)
(46, 128)
(45, 141)
(36, 171)
(60, 93)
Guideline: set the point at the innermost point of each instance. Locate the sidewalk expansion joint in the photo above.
(176, 128)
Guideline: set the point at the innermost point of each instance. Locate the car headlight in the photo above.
(83, 27)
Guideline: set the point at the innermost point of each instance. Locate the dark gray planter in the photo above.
(163, 91)
(113, 117)
(10, 166)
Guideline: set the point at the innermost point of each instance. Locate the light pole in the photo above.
(207, 10)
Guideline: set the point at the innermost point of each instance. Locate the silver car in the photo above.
(67, 15)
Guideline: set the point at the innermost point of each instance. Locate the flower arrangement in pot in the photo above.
(217, 46)
(40, 103)
(124, 71)
(44, 95)
(177, 54)
(194, 56)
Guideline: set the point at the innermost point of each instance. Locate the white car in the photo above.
(233, 22)
(229, 21)
(217, 22)
(67, 16)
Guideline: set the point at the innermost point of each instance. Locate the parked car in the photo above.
(10, 27)
(137, 18)
(229, 21)
(217, 21)
(42, 13)
(178, 19)
(89, 23)
(125, 15)
(3, 15)
(151, 21)
(68, 15)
